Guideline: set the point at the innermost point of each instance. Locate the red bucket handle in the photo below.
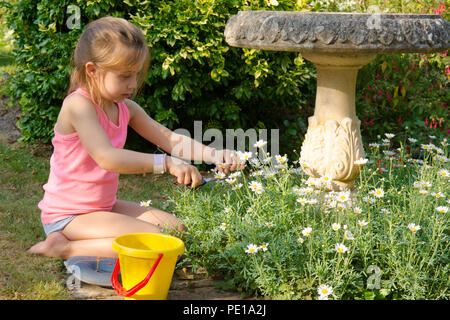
(127, 293)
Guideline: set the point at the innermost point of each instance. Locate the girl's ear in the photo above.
(91, 70)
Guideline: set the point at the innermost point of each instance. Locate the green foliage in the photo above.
(42, 49)
(385, 258)
(195, 75)
(404, 91)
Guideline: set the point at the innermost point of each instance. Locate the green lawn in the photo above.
(23, 171)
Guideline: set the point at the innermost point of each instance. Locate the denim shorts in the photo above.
(58, 225)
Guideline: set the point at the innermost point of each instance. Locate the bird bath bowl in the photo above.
(338, 44)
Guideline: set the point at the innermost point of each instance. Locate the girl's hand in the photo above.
(227, 160)
(186, 174)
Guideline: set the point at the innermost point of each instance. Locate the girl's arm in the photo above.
(176, 144)
(83, 118)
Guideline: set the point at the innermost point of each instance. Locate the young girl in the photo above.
(79, 211)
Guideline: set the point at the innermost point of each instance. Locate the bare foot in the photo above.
(54, 246)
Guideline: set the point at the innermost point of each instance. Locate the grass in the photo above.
(23, 171)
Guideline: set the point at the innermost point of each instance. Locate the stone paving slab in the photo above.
(183, 287)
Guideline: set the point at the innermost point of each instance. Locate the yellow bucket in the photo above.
(147, 262)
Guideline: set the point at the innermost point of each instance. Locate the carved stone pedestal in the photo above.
(333, 141)
(338, 44)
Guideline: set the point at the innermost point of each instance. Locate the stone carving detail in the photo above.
(336, 41)
(294, 31)
(331, 148)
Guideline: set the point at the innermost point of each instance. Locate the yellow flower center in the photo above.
(324, 291)
(341, 250)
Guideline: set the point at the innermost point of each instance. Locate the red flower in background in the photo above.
(440, 9)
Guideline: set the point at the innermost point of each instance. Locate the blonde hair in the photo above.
(113, 44)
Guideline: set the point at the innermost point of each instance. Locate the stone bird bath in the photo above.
(338, 44)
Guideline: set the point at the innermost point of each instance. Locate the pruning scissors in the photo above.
(202, 183)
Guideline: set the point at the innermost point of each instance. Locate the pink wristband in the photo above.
(159, 163)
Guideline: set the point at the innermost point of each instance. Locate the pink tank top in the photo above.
(76, 183)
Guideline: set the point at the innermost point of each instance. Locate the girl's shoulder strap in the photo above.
(81, 91)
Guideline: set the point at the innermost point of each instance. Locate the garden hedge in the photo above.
(195, 75)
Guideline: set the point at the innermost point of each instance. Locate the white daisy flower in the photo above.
(427, 147)
(362, 223)
(300, 240)
(260, 144)
(369, 199)
(343, 196)
(237, 186)
(304, 164)
(379, 193)
(340, 247)
(438, 195)
(244, 156)
(413, 227)
(361, 161)
(220, 175)
(348, 235)
(444, 173)
(223, 226)
(256, 186)
(326, 179)
(324, 291)
(426, 184)
(269, 224)
(389, 135)
(357, 210)
(412, 140)
(258, 173)
(146, 203)
(255, 163)
(307, 231)
(335, 226)
(442, 209)
(302, 201)
(235, 174)
(252, 248)
(264, 246)
(281, 159)
(389, 153)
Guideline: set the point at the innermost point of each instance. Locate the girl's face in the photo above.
(118, 86)
(114, 85)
